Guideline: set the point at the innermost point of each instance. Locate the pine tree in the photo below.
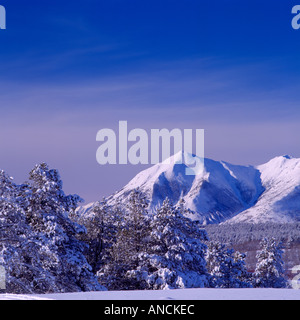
(243, 276)
(48, 214)
(226, 267)
(101, 225)
(39, 249)
(130, 244)
(136, 229)
(175, 255)
(269, 272)
(21, 253)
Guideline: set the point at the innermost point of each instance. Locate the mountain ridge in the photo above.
(223, 192)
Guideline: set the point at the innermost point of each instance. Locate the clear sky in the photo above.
(71, 68)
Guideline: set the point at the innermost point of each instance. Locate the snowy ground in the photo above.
(188, 294)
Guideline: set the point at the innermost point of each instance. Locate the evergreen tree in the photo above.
(48, 214)
(269, 272)
(226, 267)
(21, 253)
(131, 243)
(38, 248)
(101, 229)
(175, 254)
(243, 276)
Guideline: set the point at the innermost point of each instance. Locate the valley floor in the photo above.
(187, 294)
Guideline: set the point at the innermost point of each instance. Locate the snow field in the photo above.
(185, 295)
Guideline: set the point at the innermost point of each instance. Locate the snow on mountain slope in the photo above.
(280, 202)
(223, 192)
(85, 210)
(220, 192)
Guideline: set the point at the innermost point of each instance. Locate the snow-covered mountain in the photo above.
(280, 202)
(224, 192)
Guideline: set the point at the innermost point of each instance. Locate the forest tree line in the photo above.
(46, 246)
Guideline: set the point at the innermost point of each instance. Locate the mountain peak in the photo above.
(280, 162)
(283, 157)
(223, 192)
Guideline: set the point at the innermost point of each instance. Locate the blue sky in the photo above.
(69, 69)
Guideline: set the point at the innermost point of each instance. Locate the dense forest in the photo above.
(247, 237)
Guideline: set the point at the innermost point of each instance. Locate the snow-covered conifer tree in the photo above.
(269, 272)
(101, 225)
(131, 242)
(226, 267)
(21, 253)
(48, 213)
(175, 254)
(38, 245)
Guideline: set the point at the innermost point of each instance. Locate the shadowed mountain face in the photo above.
(219, 193)
(280, 201)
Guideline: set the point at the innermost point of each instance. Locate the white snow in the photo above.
(186, 294)
(224, 192)
(280, 202)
